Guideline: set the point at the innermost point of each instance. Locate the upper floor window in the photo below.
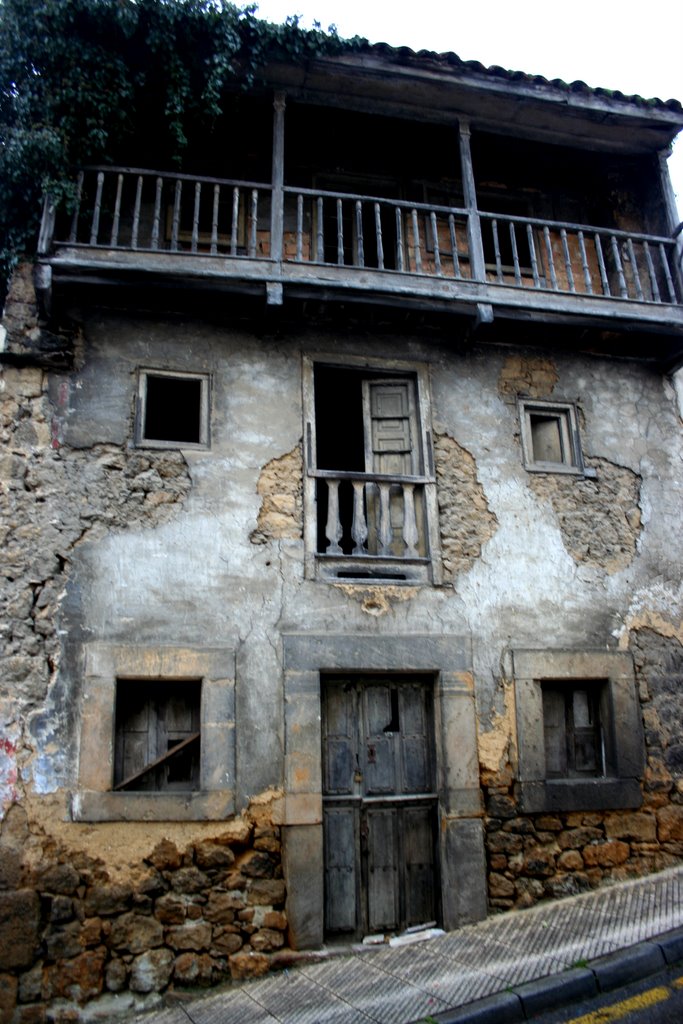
(574, 742)
(550, 437)
(370, 506)
(173, 409)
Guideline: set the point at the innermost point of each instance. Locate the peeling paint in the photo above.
(280, 488)
(465, 520)
(497, 744)
(377, 601)
(527, 376)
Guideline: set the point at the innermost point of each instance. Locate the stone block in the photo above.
(115, 975)
(190, 880)
(209, 854)
(136, 933)
(165, 856)
(635, 827)
(248, 965)
(8, 996)
(105, 900)
(575, 838)
(193, 969)
(258, 864)
(266, 892)
(539, 863)
(190, 935)
(499, 886)
(670, 823)
(267, 939)
(170, 909)
(570, 860)
(151, 971)
(19, 928)
(225, 942)
(606, 854)
(80, 978)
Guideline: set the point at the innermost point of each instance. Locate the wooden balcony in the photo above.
(307, 242)
(372, 526)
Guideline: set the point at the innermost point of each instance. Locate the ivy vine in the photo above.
(94, 81)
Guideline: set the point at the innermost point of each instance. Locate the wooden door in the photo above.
(392, 449)
(379, 804)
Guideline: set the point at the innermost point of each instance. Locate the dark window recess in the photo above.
(572, 730)
(157, 743)
(172, 409)
(547, 439)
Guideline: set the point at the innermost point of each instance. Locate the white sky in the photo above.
(636, 47)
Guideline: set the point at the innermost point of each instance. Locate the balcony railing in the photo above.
(369, 518)
(301, 235)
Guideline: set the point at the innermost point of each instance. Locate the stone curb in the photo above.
(522, 1002)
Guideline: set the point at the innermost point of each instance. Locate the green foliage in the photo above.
(130, 81)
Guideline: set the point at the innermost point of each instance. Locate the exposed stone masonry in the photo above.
(280, 488)
(659, 672)
(198, 916)
(465, 519)
(542, 856)
(51, 498)
(599, 517)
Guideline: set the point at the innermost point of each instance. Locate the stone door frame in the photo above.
(461, 846)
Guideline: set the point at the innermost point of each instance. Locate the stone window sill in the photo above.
(579, 795)
(90, 805)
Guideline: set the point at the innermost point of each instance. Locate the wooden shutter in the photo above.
(555, 732)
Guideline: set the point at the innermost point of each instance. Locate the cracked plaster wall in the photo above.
(198, 577)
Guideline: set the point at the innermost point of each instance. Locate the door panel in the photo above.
(379, 803)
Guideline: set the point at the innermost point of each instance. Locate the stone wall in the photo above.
(71, 933)
(465, 519)
(540, 856)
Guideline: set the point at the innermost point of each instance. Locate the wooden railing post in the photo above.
(474, 239)
(277, 204)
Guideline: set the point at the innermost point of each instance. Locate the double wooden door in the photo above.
(379, 804)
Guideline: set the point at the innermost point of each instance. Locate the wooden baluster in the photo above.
(496, 251)
(601, 264)
(400, 250)
(320, 235)
(136, 214)
(378, 238)
(360, 248)
(359, 525)
(73, 234)
(114, 238)
(214, 219)
(95, 224)
(195, 215)
(567, 260)
(584, 264)
(235, 220)
(417, 245)
(340, 233)
(454, 245)
(156, 218)
(551, 261)
(534, 259)
(410, 531)
(299, 228)
(253, 222)
(175, 227)
(667, 273)
(515, 254)
(616, 256)
(385, 530)
(635, 269)
(654, 286)
(435, 239)
(333, 527)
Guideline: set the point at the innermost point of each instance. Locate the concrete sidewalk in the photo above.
(503, 970)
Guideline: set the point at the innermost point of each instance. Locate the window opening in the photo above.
(157, 735)
(550, 438)
(573, 736)
(173, 409)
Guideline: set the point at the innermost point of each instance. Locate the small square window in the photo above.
(157, 741)
(574, 746)
(550, 437)
(173, 409)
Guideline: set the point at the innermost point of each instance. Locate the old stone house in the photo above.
(341, 492)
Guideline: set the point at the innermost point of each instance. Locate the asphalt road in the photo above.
(656, 1000)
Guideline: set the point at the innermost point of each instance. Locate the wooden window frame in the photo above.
(141, 440)
(566, 692)
(95, 798)
(566, 415)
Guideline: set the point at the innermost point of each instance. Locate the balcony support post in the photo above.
(672, 220)
(277, 197)
(474, 239)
